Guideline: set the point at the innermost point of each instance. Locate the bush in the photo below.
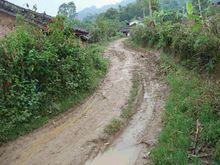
(183, 43)
(207, 48)
(37, 70)
(195, 48)
(166, 35)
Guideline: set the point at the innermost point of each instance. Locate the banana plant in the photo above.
(198, 20)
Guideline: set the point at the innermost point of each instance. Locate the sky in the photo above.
(51, 6)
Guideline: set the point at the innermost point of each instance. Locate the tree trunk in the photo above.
(150, 7)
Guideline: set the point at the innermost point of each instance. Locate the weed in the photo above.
(116, 124)
(129, 109)
(113, 127)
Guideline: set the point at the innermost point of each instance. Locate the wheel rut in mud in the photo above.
(133, 145)
(77, 135)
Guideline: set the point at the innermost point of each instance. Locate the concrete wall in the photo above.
(7, 23)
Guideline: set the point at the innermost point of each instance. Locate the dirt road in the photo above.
(77, 135)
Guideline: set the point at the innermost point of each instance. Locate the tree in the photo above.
(68, 10)
(111, 13)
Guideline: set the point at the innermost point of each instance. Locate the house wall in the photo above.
(7, 23)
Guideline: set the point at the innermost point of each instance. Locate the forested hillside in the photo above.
(93, 10)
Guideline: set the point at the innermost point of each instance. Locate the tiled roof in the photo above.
(38, 19)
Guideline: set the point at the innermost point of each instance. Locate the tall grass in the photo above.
(192, 127)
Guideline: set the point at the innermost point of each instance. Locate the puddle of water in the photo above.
(126, 156)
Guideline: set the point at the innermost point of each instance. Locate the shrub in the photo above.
(166, 35)
(196, 48)
(207, 50)
(183, 43)
(37, 70)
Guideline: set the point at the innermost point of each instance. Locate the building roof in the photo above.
(36, 18)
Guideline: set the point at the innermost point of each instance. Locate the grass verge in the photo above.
(192, 127)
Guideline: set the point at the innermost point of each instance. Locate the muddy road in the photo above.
(77, 137)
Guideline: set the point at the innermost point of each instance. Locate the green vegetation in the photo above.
(193, 105)
(68, 10)
(196, 45)
(134, 97)
(43, 75)
(108, 24)
(113, 127)
(191, 37)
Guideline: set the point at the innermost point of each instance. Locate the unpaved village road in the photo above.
(76, 137)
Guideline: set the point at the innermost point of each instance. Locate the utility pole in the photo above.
(150, 7)
(144, 8)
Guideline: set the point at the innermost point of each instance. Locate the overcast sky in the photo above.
(51, 6)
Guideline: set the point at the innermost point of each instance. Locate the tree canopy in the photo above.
(68, 10)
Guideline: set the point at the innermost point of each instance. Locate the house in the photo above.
(8, 12)
(126, 30)
(83, 34)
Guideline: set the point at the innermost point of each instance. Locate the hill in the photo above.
(94, 10)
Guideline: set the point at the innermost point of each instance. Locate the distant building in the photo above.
(134, 23)
(126, 30)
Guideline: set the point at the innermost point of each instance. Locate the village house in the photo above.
(9, 11)
(126, 30)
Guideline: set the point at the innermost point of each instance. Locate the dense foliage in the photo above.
(68, 10)
(196, 44)
(38, 70)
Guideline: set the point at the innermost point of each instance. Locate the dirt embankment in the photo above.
(77, 135)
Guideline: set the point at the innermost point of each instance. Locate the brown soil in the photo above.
(135, 143)
(77, 135)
